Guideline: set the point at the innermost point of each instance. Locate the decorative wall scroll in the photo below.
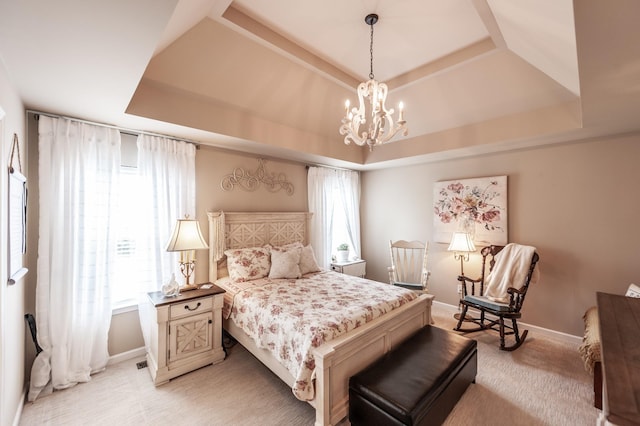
(477, 206)
(17, 217)
(250, 181)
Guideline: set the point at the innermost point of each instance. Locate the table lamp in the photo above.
(186, 238)
(461, 245)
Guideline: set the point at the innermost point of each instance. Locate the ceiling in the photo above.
(271, 78)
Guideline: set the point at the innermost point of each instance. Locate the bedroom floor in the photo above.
(542, 383)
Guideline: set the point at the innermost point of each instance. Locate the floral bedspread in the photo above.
(290, 317)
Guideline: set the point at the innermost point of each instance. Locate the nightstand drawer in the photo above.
(191, 307)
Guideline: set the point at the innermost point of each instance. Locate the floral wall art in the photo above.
(477, 206)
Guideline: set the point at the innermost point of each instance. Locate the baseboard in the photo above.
(552, 334)
(125, 356)
(16, 419)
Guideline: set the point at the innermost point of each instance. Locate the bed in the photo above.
(332, 361)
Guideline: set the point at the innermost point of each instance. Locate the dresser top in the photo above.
(159, 299)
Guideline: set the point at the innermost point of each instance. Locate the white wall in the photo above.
(576, 202)
(12, 298)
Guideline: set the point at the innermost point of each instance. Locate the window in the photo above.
(339, 230)
(334, 197)
(127, 223)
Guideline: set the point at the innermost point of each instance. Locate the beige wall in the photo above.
(212, 165)
(12, 298)
(576, 202)
(125, 333)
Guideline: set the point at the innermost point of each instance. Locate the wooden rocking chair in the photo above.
(508, 310)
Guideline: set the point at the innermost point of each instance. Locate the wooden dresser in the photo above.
(620, 341)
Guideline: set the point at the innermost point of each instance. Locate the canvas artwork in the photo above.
(477, 206)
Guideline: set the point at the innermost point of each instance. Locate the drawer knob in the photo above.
(192, 309)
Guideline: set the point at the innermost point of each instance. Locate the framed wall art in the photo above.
(17, 217)
(477, 206)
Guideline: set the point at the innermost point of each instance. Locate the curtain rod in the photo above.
(324, 166)
(122, 129)
(197, 144)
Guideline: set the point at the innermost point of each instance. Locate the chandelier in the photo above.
(371, 123)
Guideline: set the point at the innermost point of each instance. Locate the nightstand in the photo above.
(186, 332)
(354, 267)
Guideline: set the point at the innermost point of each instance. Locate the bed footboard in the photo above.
(341, 358)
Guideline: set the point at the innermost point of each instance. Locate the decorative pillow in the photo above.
(248, 263)
(284, 263)
(308, 261)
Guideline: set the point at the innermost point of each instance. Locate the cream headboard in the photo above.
(228, 230)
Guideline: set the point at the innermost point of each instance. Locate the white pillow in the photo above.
(248, 263)
(284, 263)
(308, 261)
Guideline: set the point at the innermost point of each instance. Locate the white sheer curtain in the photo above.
(348, 183)
(78, 168)
(334, 199)
(167, 168)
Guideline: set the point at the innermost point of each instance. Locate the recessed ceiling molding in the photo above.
(489, 20)
(273, 40)
(543, 34)
(219, 7)
(237, 91)
(500, 132)
(185, 16)
(443, 64)
(166, 103)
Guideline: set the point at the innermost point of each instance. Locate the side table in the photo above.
(357, 268)
(186, 332)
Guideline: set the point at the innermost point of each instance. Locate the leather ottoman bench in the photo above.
(417, 383)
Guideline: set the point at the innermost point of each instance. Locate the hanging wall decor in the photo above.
(250, 181)
(476, 206)
(17, 216)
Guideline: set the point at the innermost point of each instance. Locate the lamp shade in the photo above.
(461, 242)
(186, 236)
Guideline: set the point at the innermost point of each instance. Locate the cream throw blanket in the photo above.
(510, 270)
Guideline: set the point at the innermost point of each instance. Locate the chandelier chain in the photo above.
(371, 54)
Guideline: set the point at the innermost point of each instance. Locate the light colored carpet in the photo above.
(542, 383)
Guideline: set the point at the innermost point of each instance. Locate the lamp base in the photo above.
(189, 287)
